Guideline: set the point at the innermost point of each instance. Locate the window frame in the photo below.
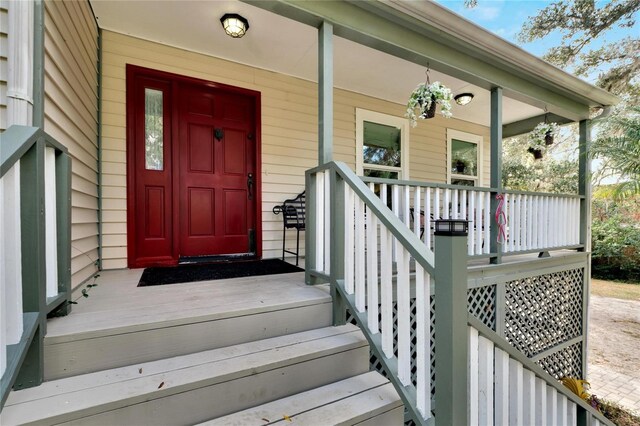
(465, 137)
(402, 123)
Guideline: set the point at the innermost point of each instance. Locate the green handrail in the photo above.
(25, 144)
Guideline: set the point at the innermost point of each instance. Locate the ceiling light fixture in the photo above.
(463, 98)
(234, 25)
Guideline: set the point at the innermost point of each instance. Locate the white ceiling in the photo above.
(279, 44)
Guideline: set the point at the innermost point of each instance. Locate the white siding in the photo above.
(71, 105)
(289, 132)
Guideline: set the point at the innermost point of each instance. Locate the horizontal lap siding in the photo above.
(4, 65)
(289, 132)
(71, 104)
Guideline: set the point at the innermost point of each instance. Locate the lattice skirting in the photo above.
(540, 313)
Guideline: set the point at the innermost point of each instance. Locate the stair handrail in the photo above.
(27, 146)
(417, 400)
(503, 344)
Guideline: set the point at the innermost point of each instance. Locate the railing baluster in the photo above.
(404, 316)
(516, 409)
(541, 401)
(562, 410)
(479, 224)
(486, 225)
(516, 223)
(327, 224)
(473, 371)
(349, 262)
(386, 265)
(529, 401)
(423, 341)
(511, 223)
(485, 381)
(51, 234)
(501, 387)
(359, 255)
(320, 211)
(417, 205)
(447, 204)
(456, 206)
(436, 208)
(427, 218)
(406, 205)
(552, 406)
(372, 271)
(471, 239)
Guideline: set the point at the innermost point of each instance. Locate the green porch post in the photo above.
(451, 329)
(496, 169)
(584, 189)
(325, 93)
(33, 260)
(337, 242)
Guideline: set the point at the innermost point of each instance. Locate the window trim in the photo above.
(402, 123)
(465, 137)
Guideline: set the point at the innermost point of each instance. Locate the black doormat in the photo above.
(214, 271)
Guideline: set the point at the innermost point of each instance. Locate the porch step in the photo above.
(367, 399)
(121, 326)
(194, 388)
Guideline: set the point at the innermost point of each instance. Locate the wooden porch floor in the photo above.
(117, 302)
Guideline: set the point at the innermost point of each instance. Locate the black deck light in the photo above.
(451, 227)
(234, 25)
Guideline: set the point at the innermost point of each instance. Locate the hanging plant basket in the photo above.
(425, 99)
(548, 138)
(537, 153)
(431, 111)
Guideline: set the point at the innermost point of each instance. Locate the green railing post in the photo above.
(584, 189)
(496, 170)
(310, 228)
(337, 241)
(451, 339)
(63, 227)
(33, 259)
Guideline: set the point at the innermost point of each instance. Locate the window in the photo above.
(382, 143)
(153, 129)
(464, 158)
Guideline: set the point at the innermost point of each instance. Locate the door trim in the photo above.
(133, 71)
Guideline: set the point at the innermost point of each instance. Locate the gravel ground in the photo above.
(614, 350)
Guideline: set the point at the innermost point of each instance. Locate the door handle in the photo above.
(250, 185)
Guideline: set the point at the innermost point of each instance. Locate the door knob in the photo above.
(250, 185)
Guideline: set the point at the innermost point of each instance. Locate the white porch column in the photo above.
(20, 63)
(325, 93)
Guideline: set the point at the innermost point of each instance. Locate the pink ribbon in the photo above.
(501, 219)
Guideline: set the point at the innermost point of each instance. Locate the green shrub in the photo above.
(615, 237)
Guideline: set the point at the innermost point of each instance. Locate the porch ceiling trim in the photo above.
(385, 28)
(525, 126)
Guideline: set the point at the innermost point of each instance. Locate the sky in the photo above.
(505, 18)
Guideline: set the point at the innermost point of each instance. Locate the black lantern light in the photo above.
(234, 25)
(452, 227)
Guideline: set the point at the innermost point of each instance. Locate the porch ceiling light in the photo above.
(463, 98)
(234, 25)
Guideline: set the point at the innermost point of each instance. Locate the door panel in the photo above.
(215, 154)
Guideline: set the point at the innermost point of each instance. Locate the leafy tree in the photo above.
(582, 24)
(619, 147)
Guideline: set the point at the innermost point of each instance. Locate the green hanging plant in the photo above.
(424, 99)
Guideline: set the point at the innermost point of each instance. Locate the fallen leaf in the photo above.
(161, 385)
(140, 370)
(287, 418)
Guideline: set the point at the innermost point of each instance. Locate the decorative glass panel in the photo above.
(381, 145)
(464, 158)
(153, 130)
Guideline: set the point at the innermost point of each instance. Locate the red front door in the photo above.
(192, 168)
(217, 172)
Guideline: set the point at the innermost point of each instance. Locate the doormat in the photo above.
(214, 271)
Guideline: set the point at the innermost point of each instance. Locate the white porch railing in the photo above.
(530, 221)
(371, 249)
